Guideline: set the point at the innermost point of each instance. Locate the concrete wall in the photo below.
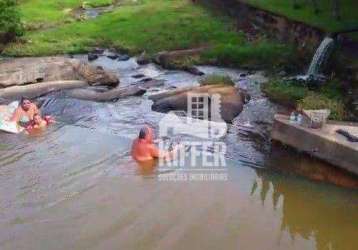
(316, 143)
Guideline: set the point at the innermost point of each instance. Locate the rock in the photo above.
(98, 51)
(92, 57)
(36, 90)
(123, 57)
(147, 79)
(166, 59)
(231, 100)
(137, 76)
(195, 71)
(113, 56)
(282, 73)
(116, 93)
(30, 70)
(143, 59)
(96, 75)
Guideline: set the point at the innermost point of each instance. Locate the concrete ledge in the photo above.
(323, 143)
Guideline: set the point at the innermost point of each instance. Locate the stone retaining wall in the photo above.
(251, 19)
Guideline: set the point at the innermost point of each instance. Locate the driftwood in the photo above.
(113, 94)
(39, 89)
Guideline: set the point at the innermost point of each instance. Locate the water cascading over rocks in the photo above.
(321, 57)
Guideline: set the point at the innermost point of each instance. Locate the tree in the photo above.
(10, 23)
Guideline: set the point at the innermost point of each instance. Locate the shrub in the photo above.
(284, 92)
(329, 96)
(318, 101)
(10, 24)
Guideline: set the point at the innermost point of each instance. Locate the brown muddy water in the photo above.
(75, 186)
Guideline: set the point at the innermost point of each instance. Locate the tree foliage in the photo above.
(10, 23)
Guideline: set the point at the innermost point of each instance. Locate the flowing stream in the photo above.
(75, 185)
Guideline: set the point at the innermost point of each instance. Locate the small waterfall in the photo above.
(321, 56)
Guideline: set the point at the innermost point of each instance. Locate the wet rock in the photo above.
(195, 71)
(147, 79)
(113, 56)
(96, 75)
(92, 57)
(29, 70)
(167, 59)
(231, 100)
(116, 93)
(143, 59)
(36, 90)
(137, 76)
(98, 51)
(123, 57)
(282, 73)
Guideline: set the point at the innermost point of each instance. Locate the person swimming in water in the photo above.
(39, 123)
(25, 112)
(144, 149)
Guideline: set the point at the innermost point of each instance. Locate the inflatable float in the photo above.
(6, 112)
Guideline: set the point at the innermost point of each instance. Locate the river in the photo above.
(75, 186)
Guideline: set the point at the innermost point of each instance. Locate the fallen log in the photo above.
(113, 94)
(39, 89)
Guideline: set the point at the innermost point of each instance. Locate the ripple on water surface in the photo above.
(75, 186)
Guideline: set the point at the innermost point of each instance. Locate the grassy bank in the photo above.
(146, 25)
(330, 96)
(37, 14)
(305, 12)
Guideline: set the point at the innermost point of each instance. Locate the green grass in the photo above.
(305, 13)
(38, 14)
(284, 92)
(329, 96)
(259, 54)
(319, 101)
(97, 3)
(217, 79)
(150, 25)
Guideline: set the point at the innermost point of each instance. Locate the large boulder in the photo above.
(168, 59)
(30, 70)
(180, 59)
(230, 105)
